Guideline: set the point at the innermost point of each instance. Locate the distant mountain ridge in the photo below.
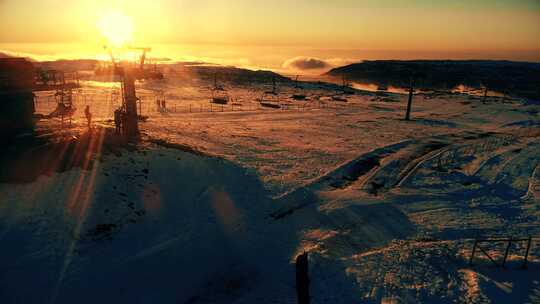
(516, 78)
(234, 74)
(202, 70)
(68, 65)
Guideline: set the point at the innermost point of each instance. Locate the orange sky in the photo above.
(266, 33)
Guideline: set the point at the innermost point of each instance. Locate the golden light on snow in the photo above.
(226, 211)
(116, 28)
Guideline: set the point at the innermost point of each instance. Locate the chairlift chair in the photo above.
(219, 94)
(270, 99)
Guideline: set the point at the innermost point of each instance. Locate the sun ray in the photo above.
(81, 195)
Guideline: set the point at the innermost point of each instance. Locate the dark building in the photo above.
(16, 95)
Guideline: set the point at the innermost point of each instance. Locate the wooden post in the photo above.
(409, 103)
(472, 253)
(527, 252)
(302, 278)
(485, 95)
(506, 251)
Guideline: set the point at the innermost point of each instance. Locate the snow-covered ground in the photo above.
(387, 208)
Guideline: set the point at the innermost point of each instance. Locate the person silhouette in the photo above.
(88, 115)
(118, 120)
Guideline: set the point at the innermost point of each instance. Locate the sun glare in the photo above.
(116, 28)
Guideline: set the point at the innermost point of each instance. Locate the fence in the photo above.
(509, 242)
(103, 103)
(201, 107)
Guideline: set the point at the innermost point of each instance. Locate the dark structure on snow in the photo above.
(16, 96)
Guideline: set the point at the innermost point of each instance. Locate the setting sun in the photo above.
(116, 28)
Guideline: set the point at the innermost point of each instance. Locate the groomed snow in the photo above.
(387, 208)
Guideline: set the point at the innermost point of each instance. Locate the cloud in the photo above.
(303, 63)
(306, 63)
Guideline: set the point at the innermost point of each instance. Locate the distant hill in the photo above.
(233, 74)
(516, 78)
(66, 65)
(5, 55)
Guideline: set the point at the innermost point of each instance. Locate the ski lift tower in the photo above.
(130, 120)
(130, 123)
(141, 73)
